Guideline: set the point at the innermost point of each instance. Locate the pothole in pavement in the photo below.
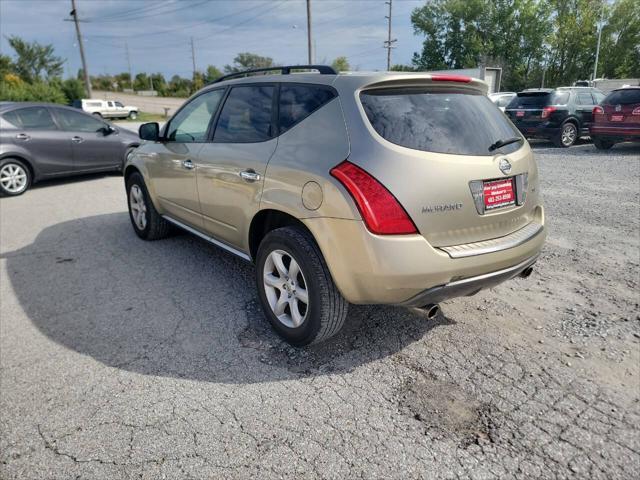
(447, 412)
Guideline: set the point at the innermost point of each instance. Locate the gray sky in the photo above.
(158, 32)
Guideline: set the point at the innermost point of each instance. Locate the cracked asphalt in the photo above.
(121, 359)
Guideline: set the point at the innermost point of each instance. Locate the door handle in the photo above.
(23, 136)
(77, 139)
(250, 176)
(188, 164)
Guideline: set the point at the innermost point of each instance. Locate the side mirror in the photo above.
(107, 130)
(149, 131)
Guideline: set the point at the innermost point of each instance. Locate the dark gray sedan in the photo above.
(39, 141)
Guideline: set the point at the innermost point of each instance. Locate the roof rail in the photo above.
(285, 70)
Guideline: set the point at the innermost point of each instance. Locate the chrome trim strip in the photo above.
(495, 245)
(209, 239)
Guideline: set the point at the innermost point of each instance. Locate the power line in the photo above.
(143, 16)
(133, 11)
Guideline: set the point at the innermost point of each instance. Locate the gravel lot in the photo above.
(124, 359)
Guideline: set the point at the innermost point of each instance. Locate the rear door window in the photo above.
(453, 121)
(585, 98)
(246, 116)
(297, 102)
(78, 122)
(31, 118)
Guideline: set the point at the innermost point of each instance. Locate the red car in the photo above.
(617, 118)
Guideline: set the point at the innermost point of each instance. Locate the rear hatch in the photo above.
(529, 109)
(621, 108)
(433, 152)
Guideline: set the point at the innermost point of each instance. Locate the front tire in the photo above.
(15, 177)
(295, 287)
(147, 222)
(97, 114)
(602, 144)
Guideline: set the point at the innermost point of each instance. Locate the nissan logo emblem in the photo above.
(505, 166)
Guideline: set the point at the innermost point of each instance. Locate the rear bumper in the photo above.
(539, 130)
(374, 269)
(468, 286)
(615, 131)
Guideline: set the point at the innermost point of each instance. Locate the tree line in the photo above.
(36, 75)
(530, 39)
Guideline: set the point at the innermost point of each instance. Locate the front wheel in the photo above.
(147, 222)
(602, 144)
(295, 287)
(15, 177)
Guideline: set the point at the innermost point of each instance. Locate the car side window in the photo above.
(598, 97)
(31, 118)
(297, 102)
(504, 101)
(191, 123)
(585, 99)
(71, 121)
(246, 115)
(110, 104)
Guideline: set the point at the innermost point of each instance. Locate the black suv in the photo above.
(561, 115)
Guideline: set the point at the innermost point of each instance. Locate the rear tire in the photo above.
(133, 115)
(147, 222)
(602, 144)
(295, 287)
(15, 177)
(567, 136)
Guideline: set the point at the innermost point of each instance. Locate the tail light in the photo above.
(450, 78)
(598, 110)
(547, 111)
(380, 210)
(636, 111)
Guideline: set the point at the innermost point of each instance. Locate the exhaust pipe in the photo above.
(432, 310)
(526, 272)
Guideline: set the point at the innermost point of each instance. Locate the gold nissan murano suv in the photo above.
(364, 188)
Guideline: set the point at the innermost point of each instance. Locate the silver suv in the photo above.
(388, 188)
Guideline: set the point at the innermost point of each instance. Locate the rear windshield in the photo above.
(623, 97)
(539, 99)
(442, 121)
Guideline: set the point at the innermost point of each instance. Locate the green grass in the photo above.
(148, 117)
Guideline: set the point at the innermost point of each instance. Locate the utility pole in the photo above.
(193, 58)
(309, 44)
(388, 44)
(126, 47)
(595, 67)
(85, 70)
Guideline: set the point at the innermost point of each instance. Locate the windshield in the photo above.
(623, 97)
(441, 121)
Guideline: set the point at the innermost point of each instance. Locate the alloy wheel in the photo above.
(569, 134)
(286, 289)
(138, 207)
(13, 178)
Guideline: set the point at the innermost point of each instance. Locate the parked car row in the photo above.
(41, 141)
(565, 114)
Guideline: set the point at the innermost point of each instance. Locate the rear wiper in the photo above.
(504, 143)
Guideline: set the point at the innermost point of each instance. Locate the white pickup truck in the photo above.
(107, 108)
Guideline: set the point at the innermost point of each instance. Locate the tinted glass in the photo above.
(598, 96)
(192, 122)
(32, 118)
(585, 98)
(539, 99)
(435, 121)
(627, 96)
(118, 104)
(77, 122)
(246, 115)
(299, 101)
